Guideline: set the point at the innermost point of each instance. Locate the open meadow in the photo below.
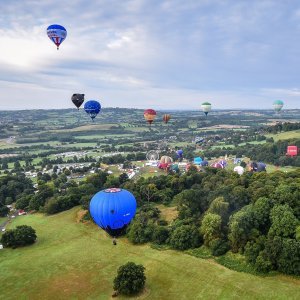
(72, 260)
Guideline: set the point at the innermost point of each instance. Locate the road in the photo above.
(3, 225)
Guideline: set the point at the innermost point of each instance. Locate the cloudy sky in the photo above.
(151, 53)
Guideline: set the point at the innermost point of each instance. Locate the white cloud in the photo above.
(147, 53)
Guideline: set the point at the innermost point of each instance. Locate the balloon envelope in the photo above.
(149, 115)
(92, 108)
(217, 165)
(204, 163)
(277, 105)
(166, 118)
(197, 160)
(223, 163)
(113, 209)
(179, 153)
(239, 170)
(166, 160)
(257, 166)
(206, 107)
(77, 99)
(56, 34)
(292, 151)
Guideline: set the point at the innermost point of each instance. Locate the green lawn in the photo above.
(2, 219)
(294, 134)
(72, 260)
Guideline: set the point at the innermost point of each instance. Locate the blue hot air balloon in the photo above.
(179, 153)
(197, 161)
(56, 34)
(113, 209)
(257, 167)
(92, 108)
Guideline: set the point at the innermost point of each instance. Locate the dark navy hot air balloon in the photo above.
(257, 167)
(204, 163)
(77, 100)
(56, 34)
(113, 209)
(92, 108)
(179, 153)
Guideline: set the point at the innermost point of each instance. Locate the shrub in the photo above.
(262, 264)
(130, 279)
(219, 247)
(160, 235)
(185, 237)
(21, 236)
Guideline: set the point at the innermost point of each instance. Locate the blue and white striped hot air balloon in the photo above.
(57, 34)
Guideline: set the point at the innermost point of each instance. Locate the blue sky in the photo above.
(151, 54)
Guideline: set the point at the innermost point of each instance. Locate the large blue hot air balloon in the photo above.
(56, 34)
(113, 209)
(92, 108)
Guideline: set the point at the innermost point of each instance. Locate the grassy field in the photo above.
(72, 260)
(89, 127)
(294, 134)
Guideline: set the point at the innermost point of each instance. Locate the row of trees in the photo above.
(274, 153)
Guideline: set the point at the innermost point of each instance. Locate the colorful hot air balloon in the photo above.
(113, 209)
(165, 162)
(277, 105)
(206, 107)
(217, 165)
(92, 108)
(57, 34)
(149, 115)
(77, 99)
(175, 168)
(223, 163)
(166, 118)
(292, 151)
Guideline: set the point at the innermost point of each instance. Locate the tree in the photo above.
(140, 230)
(219, 207)
(20, 236)
(130, 279)
(211, 228)
(160, 234)
(240, 228)
(284, 222)
(148, 191)
(185, 237)
(3, 211)
(123, 178)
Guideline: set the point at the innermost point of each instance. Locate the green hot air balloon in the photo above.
(277, 105)
(206, 107)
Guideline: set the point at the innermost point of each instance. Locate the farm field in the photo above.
(295, 134)
(72, 260)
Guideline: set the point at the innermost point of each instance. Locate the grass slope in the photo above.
(294, 134)
(78, 261)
